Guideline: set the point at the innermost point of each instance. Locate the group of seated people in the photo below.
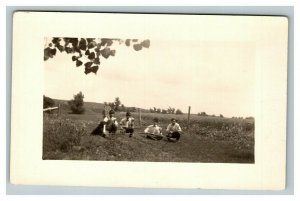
(109, 125)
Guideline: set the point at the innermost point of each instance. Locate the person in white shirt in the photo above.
(173, 131)
(127, 124)
(108, 125)
(153, 131)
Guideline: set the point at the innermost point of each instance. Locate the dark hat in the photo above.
(111, 112)
(173, 119)
(128, 114)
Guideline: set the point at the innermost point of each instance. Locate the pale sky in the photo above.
(212, 77)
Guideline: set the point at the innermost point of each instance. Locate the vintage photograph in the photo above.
(120, 99)
(131, 100)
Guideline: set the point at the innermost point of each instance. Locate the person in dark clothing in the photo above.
(108, 125)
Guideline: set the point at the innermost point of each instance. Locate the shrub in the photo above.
(202, 114)
(76, 105)
(48, 102)
(178, 111)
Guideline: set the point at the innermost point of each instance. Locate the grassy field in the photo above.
(205, 139)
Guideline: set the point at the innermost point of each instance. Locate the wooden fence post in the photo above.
(59, 110)
(189, 113)
(140, 117)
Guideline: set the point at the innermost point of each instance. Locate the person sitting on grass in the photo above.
(127, 124)
(153, 131)
(108, 125)
(173, 131)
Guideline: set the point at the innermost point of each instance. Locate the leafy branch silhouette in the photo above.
(90, 49)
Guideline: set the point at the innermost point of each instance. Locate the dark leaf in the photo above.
(74, 42)
(78, 63)
(97, 61)
(127, 42)
(135, 40)
(76, 49)
(74, 58)
(89, 40)
(87, 52)
(106, 41)
(92, 56)
(69, 50)
(60, 48)
(88, 64)
(97, 50)
(109, 42)
(53, 51)
(95, 69)
(82, 44)
(113, 52)
(137, 47)
(92, 44)
(99, 45)
(87, 70)
(56, 41)
(67, 41)
(105, 52)
(47, 53)
(146, 43)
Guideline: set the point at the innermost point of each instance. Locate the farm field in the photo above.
(206, 139)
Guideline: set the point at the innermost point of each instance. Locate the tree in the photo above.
(123, 108)
(117, 104)
(163, 111)
(158, 110)
(90, 49)
(48, 102)
(202, 114)
(112, 105)
(76, 105)
(178, 111)
(221, 116)
(171, 110)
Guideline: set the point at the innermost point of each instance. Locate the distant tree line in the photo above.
(169, 110)
(203, 114)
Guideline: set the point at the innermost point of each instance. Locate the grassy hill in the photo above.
(90, 107)
(204, 139)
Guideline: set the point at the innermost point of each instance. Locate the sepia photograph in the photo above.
(148, 100)
(131, 100)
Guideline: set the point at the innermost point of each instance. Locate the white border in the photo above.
(268, 172)
(88, 3)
